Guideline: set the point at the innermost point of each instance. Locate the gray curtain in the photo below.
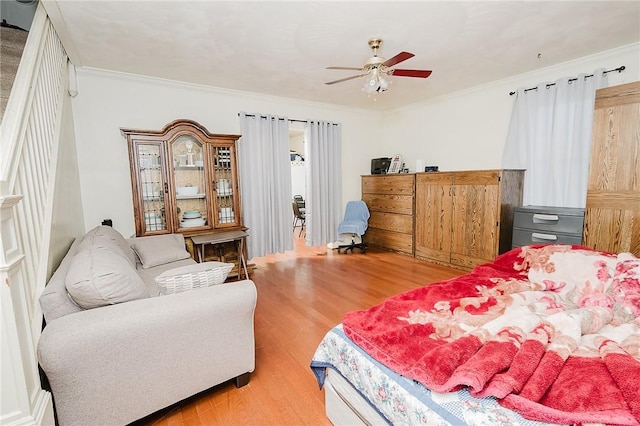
(550, 137)
(323, 207)
(265, 183)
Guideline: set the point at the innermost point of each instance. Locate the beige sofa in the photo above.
(114, 353)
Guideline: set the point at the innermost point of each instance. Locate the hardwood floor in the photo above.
(301, 295)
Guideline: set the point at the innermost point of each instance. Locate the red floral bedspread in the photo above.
(553, 332)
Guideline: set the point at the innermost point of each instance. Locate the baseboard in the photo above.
(42, 414)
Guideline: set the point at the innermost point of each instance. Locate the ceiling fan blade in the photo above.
(345, 68)
(345, 79)
(412, 73)
(402, 56)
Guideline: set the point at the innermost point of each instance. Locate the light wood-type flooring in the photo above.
(301, 295)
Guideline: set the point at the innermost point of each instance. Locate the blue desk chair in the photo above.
(355, 223)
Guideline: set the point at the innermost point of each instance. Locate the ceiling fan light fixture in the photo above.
(377, 70)
(375, 81)
(383, 84)
(371, 81)
(368, 88)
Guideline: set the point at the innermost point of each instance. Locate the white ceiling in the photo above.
(282, 48)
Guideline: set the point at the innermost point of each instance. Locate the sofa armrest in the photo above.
(118, 363)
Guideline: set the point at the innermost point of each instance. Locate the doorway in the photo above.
(298, 176)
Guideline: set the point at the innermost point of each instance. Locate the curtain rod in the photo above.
(280, 118)
(619, 69)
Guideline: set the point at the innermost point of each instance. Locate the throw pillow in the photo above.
(99, 276)
(107, 236)
(188, 277)
(160, 249)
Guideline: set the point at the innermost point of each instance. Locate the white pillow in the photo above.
(160, 249)
(99, 276)
(188, 277)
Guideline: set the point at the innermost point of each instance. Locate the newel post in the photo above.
(22, 401)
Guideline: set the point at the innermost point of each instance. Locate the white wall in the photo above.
(465, 130)
(298, 179)
(298, 171)
(67, 219)
(296, 139)
(468, 129)
(108, 101)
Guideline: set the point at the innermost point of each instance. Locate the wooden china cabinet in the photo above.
(185, 180)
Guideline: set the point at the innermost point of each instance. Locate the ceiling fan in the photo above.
(377, 67)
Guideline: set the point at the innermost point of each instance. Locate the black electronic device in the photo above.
(379, 166)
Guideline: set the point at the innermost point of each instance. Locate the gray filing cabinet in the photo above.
(547, 225)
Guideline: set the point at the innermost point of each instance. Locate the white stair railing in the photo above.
(29, 141)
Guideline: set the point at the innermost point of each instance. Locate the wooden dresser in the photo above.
(465, 218)
(390, 199)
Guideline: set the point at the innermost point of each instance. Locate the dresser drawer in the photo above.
(402, 223)
(395, 241)
(525, 237)
(398, 184)
(550, 220)
(399, 204)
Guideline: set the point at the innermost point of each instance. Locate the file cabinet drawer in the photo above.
(549, 219)
(525, 237)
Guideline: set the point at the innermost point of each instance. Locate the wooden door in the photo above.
(433, 216)
(475, 218)
(612, 215)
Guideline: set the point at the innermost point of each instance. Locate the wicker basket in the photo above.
(191, 277)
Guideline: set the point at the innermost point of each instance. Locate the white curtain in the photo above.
(323, 206)
(265, 183)
(550, 136)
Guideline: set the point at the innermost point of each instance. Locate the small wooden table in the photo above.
(199, 241)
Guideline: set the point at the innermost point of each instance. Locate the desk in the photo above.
(199, 241)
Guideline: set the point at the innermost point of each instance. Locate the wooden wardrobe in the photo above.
(612, 215)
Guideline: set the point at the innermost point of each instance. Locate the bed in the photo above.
(542, 335)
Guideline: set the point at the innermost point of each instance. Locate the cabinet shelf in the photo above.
(189, 167)
(190, 197)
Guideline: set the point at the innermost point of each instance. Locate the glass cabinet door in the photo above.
(190, 180)
(152, 187)
(225, 187)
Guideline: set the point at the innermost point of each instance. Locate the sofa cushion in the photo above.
(106, 236)
(54, 300)
(99, 276)
(160, 249)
